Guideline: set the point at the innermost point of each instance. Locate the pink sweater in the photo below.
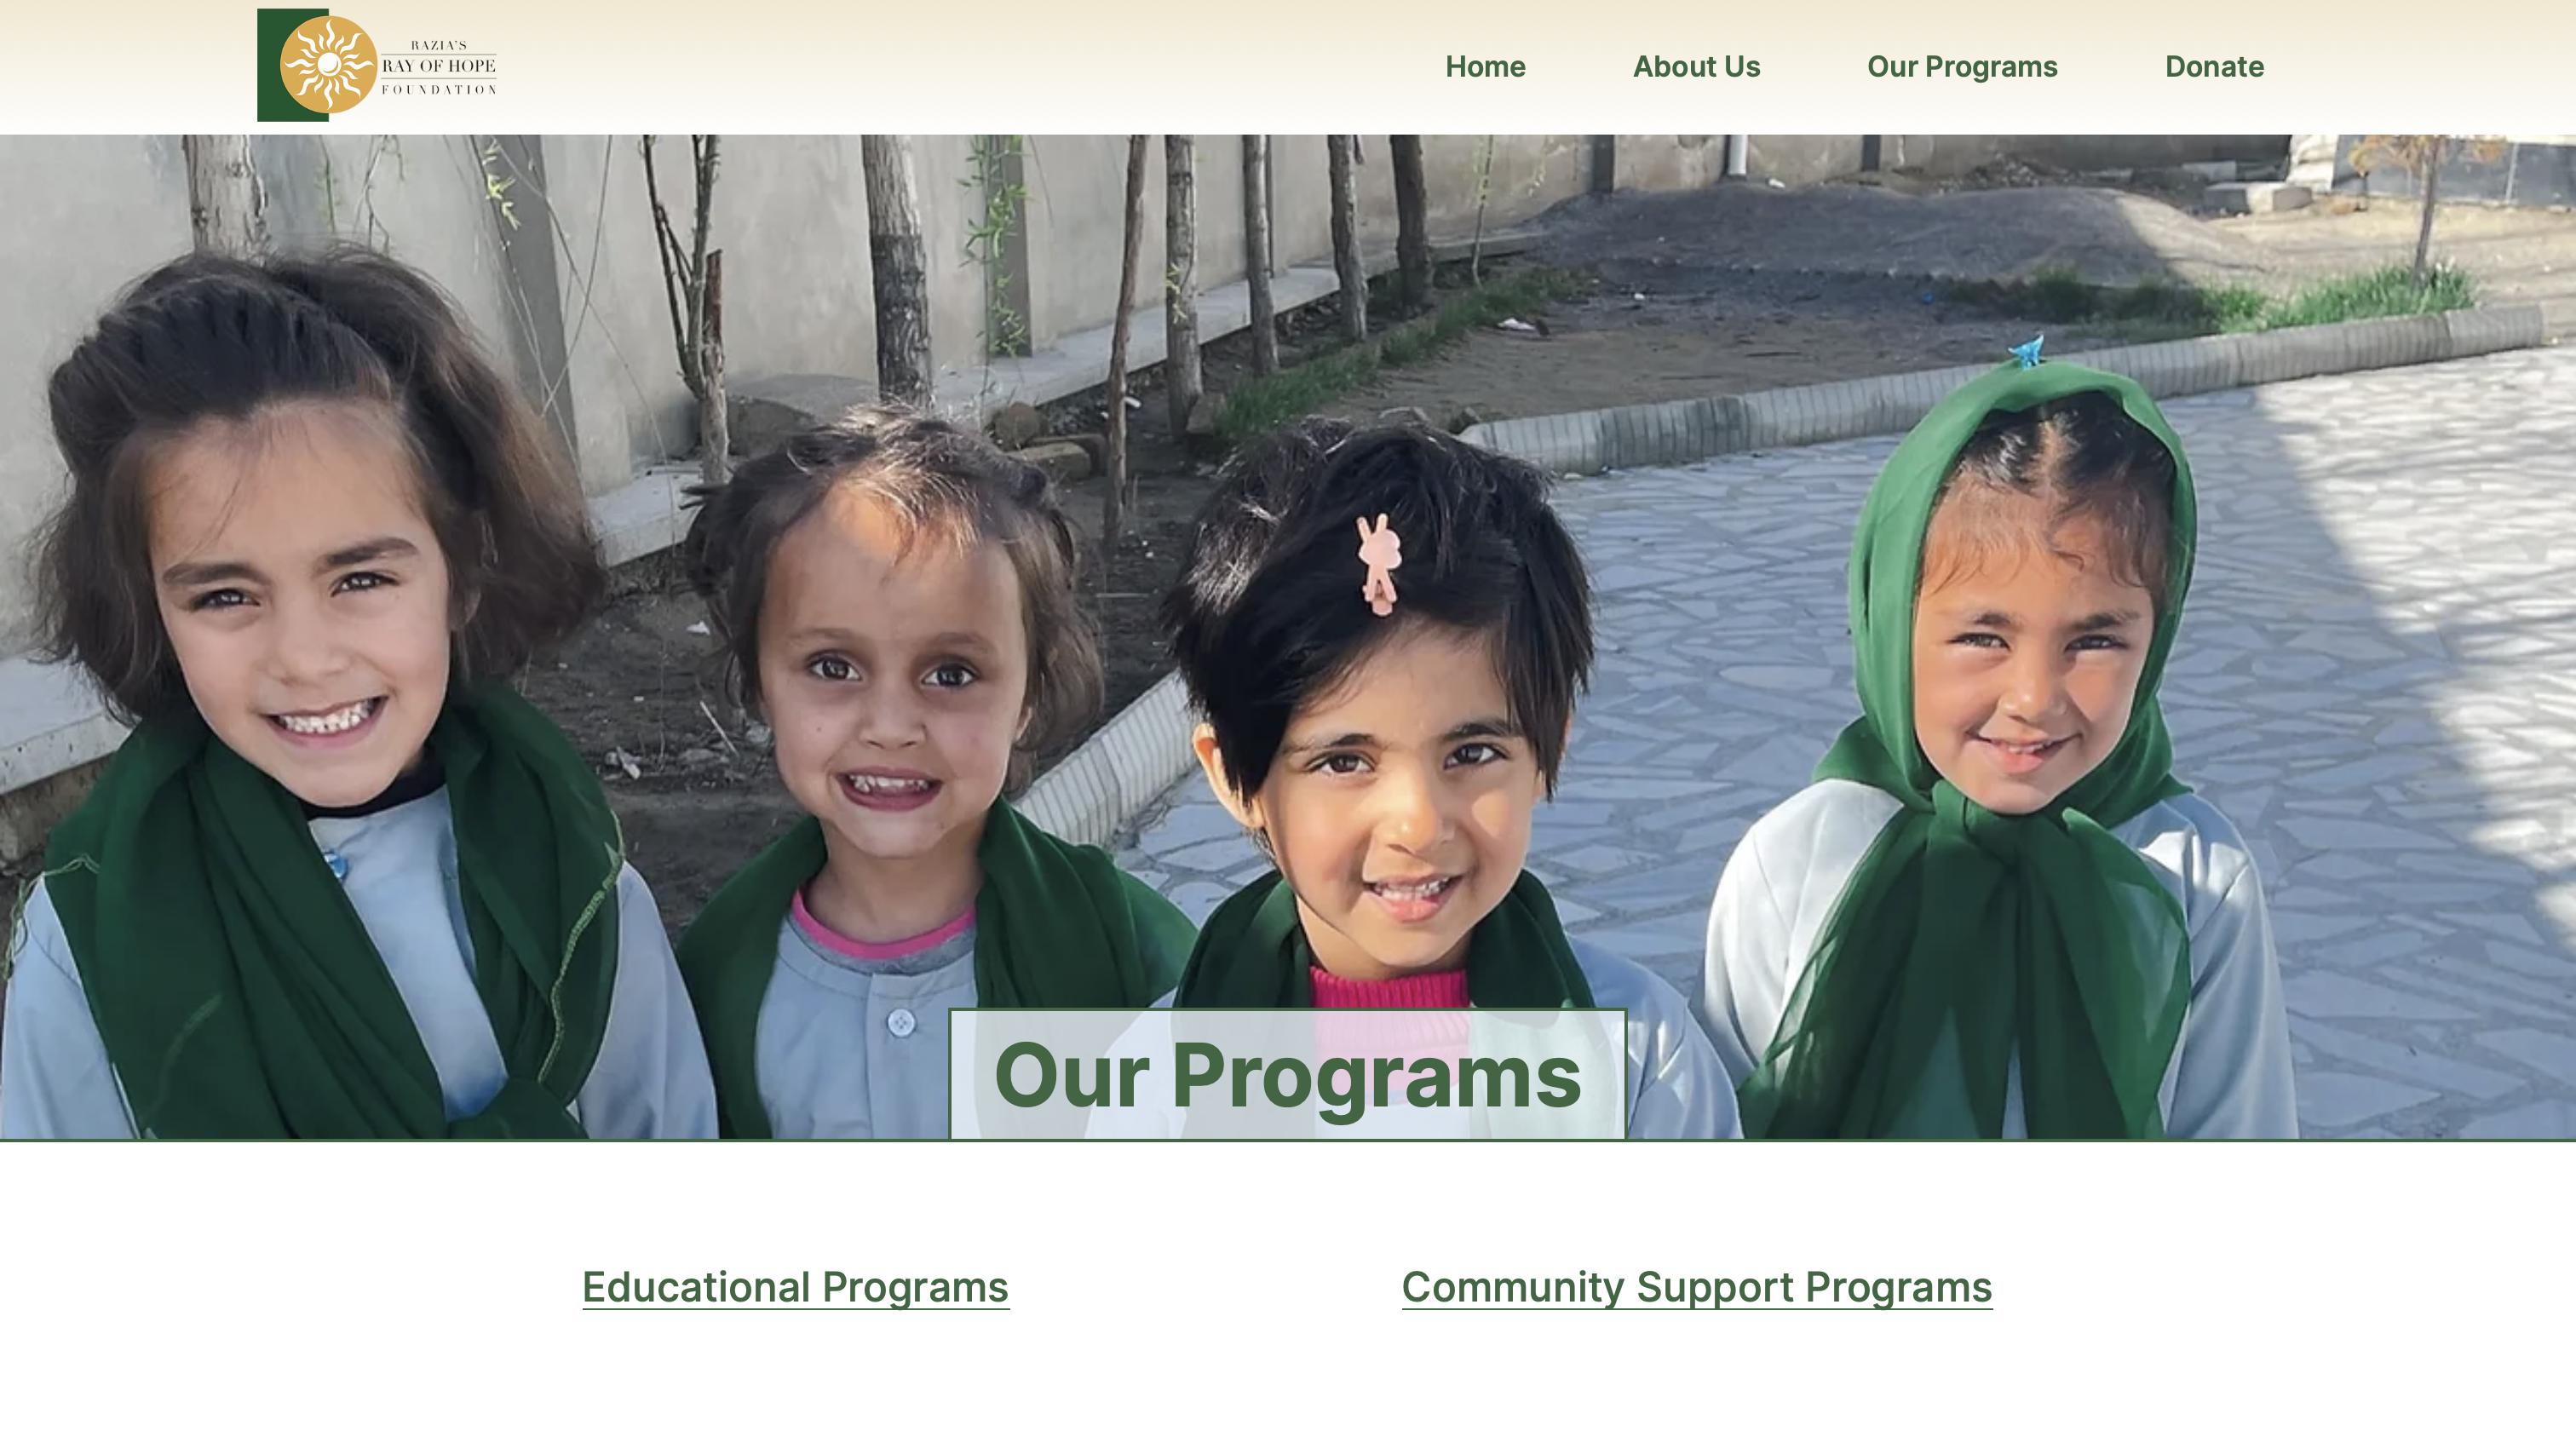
(1446, 989)
(1438, 1028)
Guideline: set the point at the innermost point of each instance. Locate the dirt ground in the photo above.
(1741, 288)
(1730, 289)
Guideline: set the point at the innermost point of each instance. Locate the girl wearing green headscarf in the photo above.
(341, 881)
(1996, 913)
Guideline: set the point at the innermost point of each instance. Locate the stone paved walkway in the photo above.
(2376, 680)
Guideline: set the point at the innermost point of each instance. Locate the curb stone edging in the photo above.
(1668, 434)
(1089, 797)
(1126, 765)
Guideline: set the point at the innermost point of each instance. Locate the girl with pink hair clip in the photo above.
(1388, 752)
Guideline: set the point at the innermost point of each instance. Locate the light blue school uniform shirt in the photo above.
(2230, 1073)
(649, 1081)
(852, 1046)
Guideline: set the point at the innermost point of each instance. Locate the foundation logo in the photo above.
(312, 65)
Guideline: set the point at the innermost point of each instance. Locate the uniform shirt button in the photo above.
(900, 1023)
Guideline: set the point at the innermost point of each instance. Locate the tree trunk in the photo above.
(1412, 222)
(1346, 238)
(2424, 230)
(1113, 493)
(681, 287)
(227, 206)
(1256, 252)
(1484, 193)
(1182, 381)
(715, 430)
(684, 267)
(895, 266)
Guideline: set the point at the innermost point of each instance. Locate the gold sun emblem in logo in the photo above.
(328, 64)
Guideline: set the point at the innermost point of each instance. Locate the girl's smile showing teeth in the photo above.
(1413, 901)
(888, 790)
(337, 721)
(2020, 757)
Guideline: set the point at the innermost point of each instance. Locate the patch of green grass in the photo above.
(1266, 403)
(2390, 292)
(2235, 306)
(2155, 310)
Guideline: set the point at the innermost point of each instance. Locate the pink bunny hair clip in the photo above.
(1383, 550)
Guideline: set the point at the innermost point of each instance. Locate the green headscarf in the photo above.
(1056, 927)
(1964, 936)
(1252, 954)
(238, 993)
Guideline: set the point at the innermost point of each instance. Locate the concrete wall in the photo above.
(1800, 158)
(791, 217)
(1077, 188)
(86, 216)
(1076, 184)
(1216, 171)
(1671, 161)
(1301, 194)
(1944, 156)
(1529, 173)
(568, 289)
(2528, 171)
(623, 366)
(1815, 158)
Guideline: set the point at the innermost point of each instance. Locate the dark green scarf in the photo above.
(1965, 936)
(1055, 928)
(1252, 954)
(237, 992)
